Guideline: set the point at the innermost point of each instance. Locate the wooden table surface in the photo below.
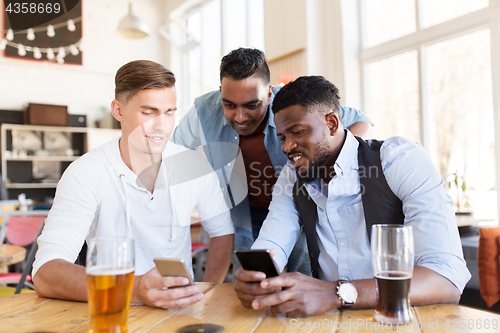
(30, 313)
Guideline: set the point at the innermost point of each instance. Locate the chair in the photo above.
(22, 229)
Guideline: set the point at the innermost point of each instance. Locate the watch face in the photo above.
(348, 292)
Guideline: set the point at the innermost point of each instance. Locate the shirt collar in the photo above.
(347, 158)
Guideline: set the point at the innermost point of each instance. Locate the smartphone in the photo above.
(173, 267)
(257, 260)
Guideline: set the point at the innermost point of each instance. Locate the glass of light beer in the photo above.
(392, 260)
(110, 275)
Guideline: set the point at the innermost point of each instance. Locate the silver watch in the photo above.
(347, 294)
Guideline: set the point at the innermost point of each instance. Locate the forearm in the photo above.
(219, 256)
(61, 279)
(359, 129)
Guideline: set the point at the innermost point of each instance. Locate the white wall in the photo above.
(84, 89)
(312, 25)
(285, 28)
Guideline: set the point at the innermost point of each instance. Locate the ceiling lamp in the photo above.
(132, 26)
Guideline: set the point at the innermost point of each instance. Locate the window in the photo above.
(427, 73)
(217, 26)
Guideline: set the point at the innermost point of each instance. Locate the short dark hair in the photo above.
(242, 63)
(308, 91)
(141, 75)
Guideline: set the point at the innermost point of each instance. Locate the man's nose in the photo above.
(160, 122)
(240, 116)
(288, 145)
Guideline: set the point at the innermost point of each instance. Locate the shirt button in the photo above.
(222, 189)
(236, 138)
(342, 244)
(229, 164)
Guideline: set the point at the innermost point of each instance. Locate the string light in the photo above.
(36, 53)
(62, 51)
(21, 50)
(71, 25)
(50, 54)
(10, 34)
(73, 50)
(30, 34)
(50, 31)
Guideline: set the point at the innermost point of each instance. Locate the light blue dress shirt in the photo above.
(205, 126)
(341, 228)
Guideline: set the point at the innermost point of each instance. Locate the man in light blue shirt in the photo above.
(325, 157)
(235, 128)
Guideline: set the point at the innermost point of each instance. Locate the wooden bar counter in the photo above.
(30, 313)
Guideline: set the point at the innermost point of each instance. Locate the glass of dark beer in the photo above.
(110, 275)
(392, 259)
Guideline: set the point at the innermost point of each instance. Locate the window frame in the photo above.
(488, 17)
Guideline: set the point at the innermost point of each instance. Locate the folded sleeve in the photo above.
(70, 218)
(281, 228)
(350, 116)
(412, 176)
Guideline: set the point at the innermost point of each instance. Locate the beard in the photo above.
(317, 165)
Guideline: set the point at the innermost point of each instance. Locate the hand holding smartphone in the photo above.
(173, 267)
(258, 260)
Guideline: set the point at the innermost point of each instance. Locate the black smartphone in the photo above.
(257, 260)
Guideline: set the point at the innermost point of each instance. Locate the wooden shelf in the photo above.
(44, 158)
(31, 185)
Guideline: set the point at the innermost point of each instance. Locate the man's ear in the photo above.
(117, 110)
(333, 122)
(270, 94)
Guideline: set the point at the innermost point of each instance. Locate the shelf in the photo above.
(44, 158)
(31, 185)
(44, 128)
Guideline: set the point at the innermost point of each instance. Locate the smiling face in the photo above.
(245, 102)
(147, 121)
(310, 140)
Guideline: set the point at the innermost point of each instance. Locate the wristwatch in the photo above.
(347, 294)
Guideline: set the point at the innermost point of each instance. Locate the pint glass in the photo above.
(110, 274)
(392, 259)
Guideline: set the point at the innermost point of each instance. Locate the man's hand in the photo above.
(248, 288)
(304, 296)
(164, 291)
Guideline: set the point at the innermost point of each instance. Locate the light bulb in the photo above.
(60, 59)
(50, 54)
(36, 53)
(71, 25)
(82, 43)
(31, 34)
(61, 53)
(3, 43)
(50, 31)
(74, 51)
(20, 50)
(10, 34)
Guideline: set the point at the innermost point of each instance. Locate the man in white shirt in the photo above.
(325, 158)
(139, 186)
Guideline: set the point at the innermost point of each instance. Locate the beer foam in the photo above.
(401, 275)
(107, 270)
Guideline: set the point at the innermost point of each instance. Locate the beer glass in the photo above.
(392, 260)
(110, 275)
